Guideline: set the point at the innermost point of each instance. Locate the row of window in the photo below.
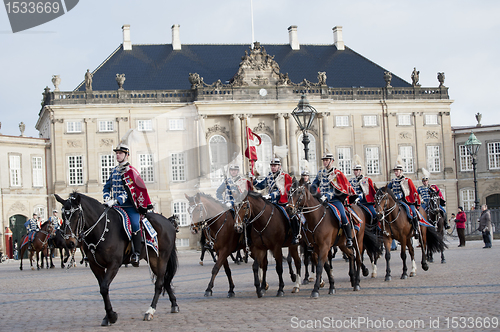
(372, 120)
(37, 174)
(493, 157)
(105, 126)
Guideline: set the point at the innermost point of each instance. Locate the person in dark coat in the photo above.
(485, 226)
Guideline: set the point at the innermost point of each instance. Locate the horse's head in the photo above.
(384, 200)
(72, 215)
(244, 209)
(297, 198)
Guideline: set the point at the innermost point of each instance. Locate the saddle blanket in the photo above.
(27, 238)
(151, 235)
(282, 209)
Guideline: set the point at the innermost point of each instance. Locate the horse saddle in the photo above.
(150, 232)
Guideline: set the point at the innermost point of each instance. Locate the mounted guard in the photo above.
(233, 188)
(31, 228)
(363, 186)
(426, 191)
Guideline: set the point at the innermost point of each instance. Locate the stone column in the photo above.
(203, 156)
(293, 167)
(235, 150)
(282, 138)
(91, 156)
(326, 136)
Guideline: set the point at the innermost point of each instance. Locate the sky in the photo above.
(459, 38)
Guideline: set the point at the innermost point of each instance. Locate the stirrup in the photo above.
(348, 243)
(134, 260)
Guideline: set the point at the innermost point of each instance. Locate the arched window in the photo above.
(313, 164)
(264, 155)
(218, 158)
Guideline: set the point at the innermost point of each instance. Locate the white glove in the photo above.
(111, 202)
(323, 198)
(267, 196)
(229, 205)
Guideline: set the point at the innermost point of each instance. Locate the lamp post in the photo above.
(304, 114)
(473, 145)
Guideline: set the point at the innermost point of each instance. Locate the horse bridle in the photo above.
(385, 212)
(206, 223)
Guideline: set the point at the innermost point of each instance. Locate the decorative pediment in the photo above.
(262, 128)
(217, 129)
(432, 134)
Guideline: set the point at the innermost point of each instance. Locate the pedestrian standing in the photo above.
(15, 249)
(485, 226)
(460, 221)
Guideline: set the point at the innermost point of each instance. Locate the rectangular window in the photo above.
(37, 171)
(107, 165)
(176, 124)
(74, 127)
(40, 211)
(433, 159)
(178, 167)
(406, 153)
(75, 167)
(146, 167)
(106, 126)
(494, 155)
(342, 121)
(431, 119)
(372, 161)
(467, 198)
(465, 159)
(15, 170)
(404, 119)
(180, 209)
(370, 120)
(144, 125)
(181, 243)
(344, 158)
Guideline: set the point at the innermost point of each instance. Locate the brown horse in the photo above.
(268, 229)
(38, 245)
(395, 224)
(217, 224)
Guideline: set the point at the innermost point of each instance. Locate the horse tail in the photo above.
(172, 265)
(371, 242)
(435, 243)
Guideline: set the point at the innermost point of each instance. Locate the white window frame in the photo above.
(181, 243)
(106, 126)
(465, 159)
(75, 170)
(404, 119)
(467, 197)
(73, 127)
(106, 164)
(370, 120)
(372, 157)
(218, 158)
(406, 153)
(145, 125)
(494, 155)
(178, 167)
(180, 208)
(344, 160)
(312, 168)
(434, 158)
(15, 170)
(40, 212)
(431, 120)
(37, 171)
(264, 155)
(146, 167)
(176, 124)
(342, 121)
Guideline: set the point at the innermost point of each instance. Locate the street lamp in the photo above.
(473, 145)
(304, 114)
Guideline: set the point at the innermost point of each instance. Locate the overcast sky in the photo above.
(459, 38)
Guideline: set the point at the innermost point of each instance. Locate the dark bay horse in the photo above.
(268, 229)
(437, 217)
(217, 225)
(40, 244)
(100, 231)
(57, 241)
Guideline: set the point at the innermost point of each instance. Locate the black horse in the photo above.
(57, 241)
(106, 244)
(437, 217)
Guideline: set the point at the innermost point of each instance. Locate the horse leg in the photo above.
(159, 270)
(221, 259)
(278, 258)
(404, 243)
(104, 279)
(322, 260)
(307, 261)
(411, 251)
(293, 276)
(263, 268)
(387, 245)
(329, 273)
(255, 268)
(227, 269)
(23, 249)
(294, 252)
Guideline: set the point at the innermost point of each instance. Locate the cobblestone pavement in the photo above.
(466, 286)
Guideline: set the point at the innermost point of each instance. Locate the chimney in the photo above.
(337, 38)
(292, 35)
(176, 39)
(127, 44)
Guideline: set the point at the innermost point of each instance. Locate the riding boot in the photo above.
(136, 249)
(415, 223)
(294, 221)
(348, 235)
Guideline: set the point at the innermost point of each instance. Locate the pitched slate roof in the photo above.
(159, 67)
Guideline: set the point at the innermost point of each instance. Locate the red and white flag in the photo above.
(253, 140)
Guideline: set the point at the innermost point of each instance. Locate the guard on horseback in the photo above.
(32, 227)
(55, 220)
(407, 195)
(233, 187)
(278, 184)
(363, 186)
(304, 179)
(126, 189)
(334, 188)
(425, 191)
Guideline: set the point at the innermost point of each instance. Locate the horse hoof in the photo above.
(331, 291)
(425, 267)
(374, 275)
(260, 294)
(314, 295)
(280, 294)
(113, 317)
(356, 288)
(404, 276)
(365, 272)
(267, 286)
(295, 290)
(148, 317)
(293, 277)
(208, 293)
(305, 282)
(311, 279)
(322, 284)
(412, 274)
(174, 309)
(443, 261)
(33, 268)
(431, 260)
(230, 295)
(387, 278)
(105, 321)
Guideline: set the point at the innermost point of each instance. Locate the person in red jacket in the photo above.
(460, 221)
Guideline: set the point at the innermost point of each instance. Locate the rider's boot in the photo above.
(415, 223)
(294, 221)
(136, 248)
(348, 235)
